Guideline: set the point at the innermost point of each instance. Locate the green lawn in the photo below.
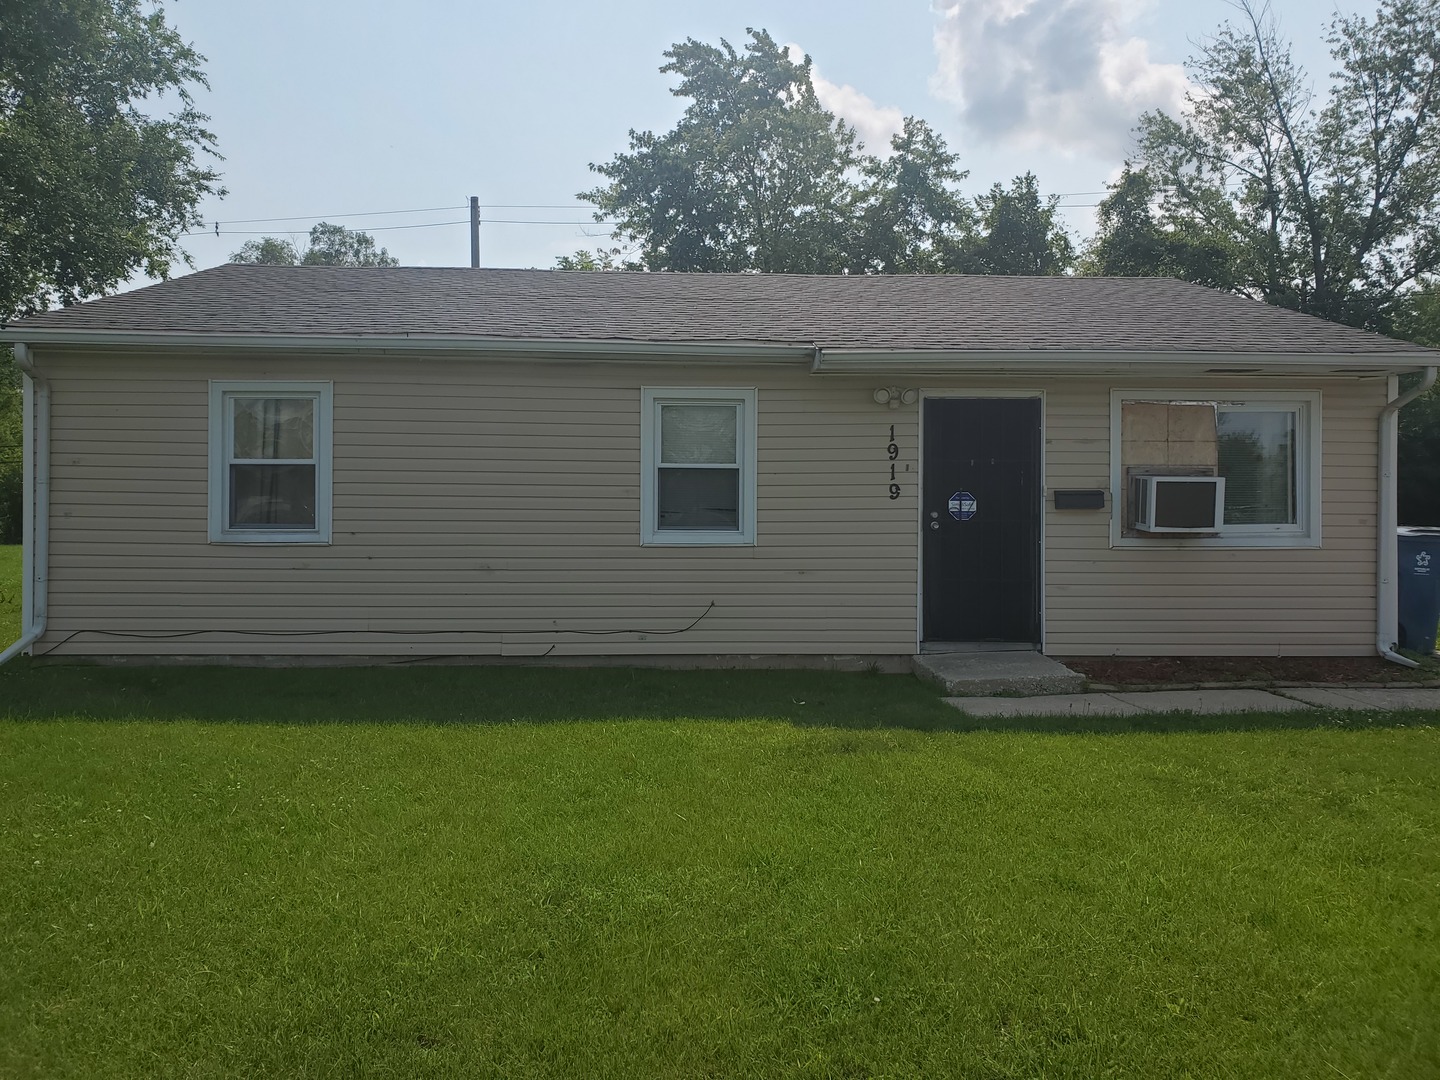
(526, 873)
(522, 872)
(9, 594)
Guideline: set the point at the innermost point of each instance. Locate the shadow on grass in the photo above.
(538, 695)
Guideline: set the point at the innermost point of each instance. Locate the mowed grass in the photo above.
(9, 594)
(539, 873)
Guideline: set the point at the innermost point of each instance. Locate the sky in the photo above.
(352, 111)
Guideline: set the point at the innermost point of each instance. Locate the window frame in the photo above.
(1304, 533)
(652, 398)
(221, 427)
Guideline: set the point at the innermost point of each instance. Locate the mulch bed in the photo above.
(1127, 671)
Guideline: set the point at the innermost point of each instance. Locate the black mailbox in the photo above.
(1080, 500)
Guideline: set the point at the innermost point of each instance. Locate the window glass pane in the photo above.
(698, 434)
(274, 428)
(272, 497)
(699, 499)
(1257, 459)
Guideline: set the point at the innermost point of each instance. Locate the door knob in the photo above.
(934, 525)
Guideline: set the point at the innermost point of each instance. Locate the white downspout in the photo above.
(36, 524)
(1387, 602)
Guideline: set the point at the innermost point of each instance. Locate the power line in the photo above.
(519, 206)
(523, 221)
(266, 232)
(314, 217)
(386, 213)
(392, 228)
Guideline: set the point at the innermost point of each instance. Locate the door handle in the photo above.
(934, 525)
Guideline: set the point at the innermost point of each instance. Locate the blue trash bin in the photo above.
(1419, 588)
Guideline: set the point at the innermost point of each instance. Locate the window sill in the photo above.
(272, 539)
(1294, 541)
(698, 539)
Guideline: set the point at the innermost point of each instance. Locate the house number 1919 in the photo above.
(893, 450)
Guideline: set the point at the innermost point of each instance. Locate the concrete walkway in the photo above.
(1198, 701)
(1344, 698)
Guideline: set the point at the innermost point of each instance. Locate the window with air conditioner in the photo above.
(1249, 460)
(1178, 505)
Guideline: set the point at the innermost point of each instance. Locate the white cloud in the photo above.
(1057, 74)
(874, 123)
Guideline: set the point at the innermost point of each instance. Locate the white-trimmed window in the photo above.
(697, 483)
(1266, 444)
(270, 462)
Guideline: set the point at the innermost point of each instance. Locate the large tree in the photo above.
(1129, 240)
(329, 245)
(1020, 232)
(754, 176)
(96, 183)
(1325, 203)
(758, 176)
(910, 215)
(1418, 477)
(1331, 209)
(97, 180)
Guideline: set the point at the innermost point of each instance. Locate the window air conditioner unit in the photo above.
(1178, 504)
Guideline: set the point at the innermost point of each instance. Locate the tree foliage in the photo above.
(1327, 204)
(92, 187)
(752, 177)
(910, 216)
(758, 176)
(1020, 233)
(1331, 209)
(1418, 474)
(1129, 241)
(599, 259)
(267, 251)
(329, 245)
(1418, 478)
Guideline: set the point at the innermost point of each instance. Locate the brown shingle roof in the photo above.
(952, 312)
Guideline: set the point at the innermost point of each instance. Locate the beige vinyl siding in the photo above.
(1213, 601)
(492, 507)
(480, 507)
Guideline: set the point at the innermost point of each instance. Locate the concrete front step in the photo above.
(979, 673)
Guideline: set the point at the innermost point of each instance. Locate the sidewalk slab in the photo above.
(980, 673)
(1349, 698)
(1126, 704)
(1051, 705)
(1210, 701)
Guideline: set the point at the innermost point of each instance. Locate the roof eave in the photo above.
(607, 349)
(1109, 362)
(834, 361)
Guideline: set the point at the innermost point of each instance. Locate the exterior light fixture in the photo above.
(894, 396)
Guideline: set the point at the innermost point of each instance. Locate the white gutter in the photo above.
(35, 559)
(1077, 361)
(722, 351)
(1387, 602)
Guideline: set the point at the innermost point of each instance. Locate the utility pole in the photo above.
(475, 231)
